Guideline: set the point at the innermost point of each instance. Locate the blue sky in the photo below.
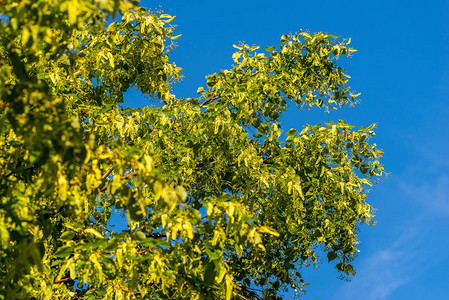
(402, 70)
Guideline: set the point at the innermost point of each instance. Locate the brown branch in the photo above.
(65, 279)
(227, 182)
(157, 236)
(125, 290)
(211, 99)
(146, 250)
(130, 174)
(265, 161)
(242, 297)
(105, 175)
(249, 292)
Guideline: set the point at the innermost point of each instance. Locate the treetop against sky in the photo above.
(220, 196)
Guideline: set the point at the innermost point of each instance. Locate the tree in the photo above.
(218, 205)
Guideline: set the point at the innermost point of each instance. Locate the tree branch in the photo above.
(242, 297)
(65, 279)
(211, 99)
(125, 290)
(157, 236)
(130, 174)
(105, 175)
(249, 293)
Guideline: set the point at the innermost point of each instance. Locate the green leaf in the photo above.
(284, 38)
(306, 36)
(169, 20)
(292, 132)
(173, 38)
(94, 232)
(140, 235)
(229, 288)
(331, 256)
(165, 16)
(64, 251)
(269, 230)
(182, 193)
(209, 274)
(270, 49)
(349, 270)
(66, 236)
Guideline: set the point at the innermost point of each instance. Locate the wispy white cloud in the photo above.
(432, 194)
(378, 278)
(401, 262)
(384, 271)
(425, 180)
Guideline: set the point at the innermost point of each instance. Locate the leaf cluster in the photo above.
(218, 202)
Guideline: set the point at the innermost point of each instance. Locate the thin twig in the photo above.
(125, 290)
(227, 182)
(209, 100)
(130, 174)
(241, 296)
(64, 279)
(157, 236)
(105, 175)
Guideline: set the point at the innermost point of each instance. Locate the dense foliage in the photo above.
(217, 204)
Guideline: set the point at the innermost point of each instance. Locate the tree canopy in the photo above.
(219, 204)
